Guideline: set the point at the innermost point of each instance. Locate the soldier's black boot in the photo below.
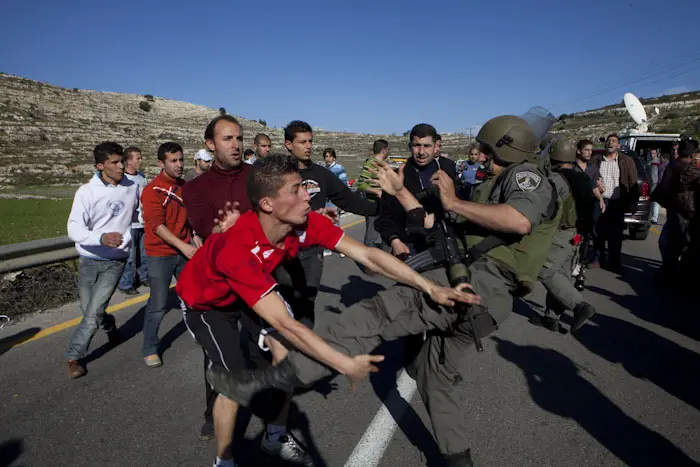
(582, 313)
(244, 385)
(463, 459)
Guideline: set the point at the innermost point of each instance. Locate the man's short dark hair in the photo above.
(169, 148)
(423, 130)
(103, 150)
(261, 136)
(379, 146)
(583, 143)
(438, 137)
(612, 135)
(266, 177)
(294, 127)
(209, 131)
(130, 151)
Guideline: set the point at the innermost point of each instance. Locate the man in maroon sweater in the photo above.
(207, 194)
(224, 182)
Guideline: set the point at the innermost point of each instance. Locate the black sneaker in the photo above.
(288, 449)
(131, 291)
(207, 432)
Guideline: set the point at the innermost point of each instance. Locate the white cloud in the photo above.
(677, 90)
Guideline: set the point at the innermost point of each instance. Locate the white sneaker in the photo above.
(327, 252)
(287, 449)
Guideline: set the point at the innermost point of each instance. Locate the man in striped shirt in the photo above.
(619, 175)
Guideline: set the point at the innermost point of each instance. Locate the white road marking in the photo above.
(370, 449)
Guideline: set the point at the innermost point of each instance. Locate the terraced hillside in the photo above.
(679, 113)
(47, 133)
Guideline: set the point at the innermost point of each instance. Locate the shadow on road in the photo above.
(653, 301)
(556, 386)
(10, 451)
(645, 355)
(357, 289)
(354, 290)
(6, 343)
(134, 325)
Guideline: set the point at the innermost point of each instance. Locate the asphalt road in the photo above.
(624, 392)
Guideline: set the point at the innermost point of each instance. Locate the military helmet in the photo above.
(510, 137)
(562, 150)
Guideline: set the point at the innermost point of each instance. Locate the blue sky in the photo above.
(365, 66)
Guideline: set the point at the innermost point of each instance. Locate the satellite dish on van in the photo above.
(636, 111)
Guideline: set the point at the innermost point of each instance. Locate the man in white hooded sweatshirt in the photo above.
(100, 225)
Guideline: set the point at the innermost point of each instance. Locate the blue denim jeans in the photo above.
(97, 280)
(132, 265)
(161, 270)
(655, 208)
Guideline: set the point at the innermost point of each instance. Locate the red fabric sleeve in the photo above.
(321, 231)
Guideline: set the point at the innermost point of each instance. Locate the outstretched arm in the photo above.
(389, 266)
(273, 310)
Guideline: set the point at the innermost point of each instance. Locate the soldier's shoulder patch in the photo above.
(528, 180)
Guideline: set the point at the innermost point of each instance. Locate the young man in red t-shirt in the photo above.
(230, 278)
(169, 241)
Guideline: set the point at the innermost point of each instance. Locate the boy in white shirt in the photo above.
(100, 225)
(136, 265)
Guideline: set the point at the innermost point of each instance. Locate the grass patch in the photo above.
(23, 220)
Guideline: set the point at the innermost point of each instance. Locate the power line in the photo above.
(655, 71)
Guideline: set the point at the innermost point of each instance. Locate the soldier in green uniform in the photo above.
(575, 191)
(508, 229)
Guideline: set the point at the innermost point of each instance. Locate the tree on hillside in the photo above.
(222, 111)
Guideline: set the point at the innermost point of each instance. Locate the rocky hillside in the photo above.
(47, 133)
(679, 113)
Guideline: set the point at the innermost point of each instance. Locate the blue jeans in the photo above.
(127, 280)
(655, 208)
(161, 270)
(97, 280)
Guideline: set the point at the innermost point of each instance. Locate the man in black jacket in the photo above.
(322, 186)
(424, 162)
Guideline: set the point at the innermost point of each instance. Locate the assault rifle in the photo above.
(446, 252)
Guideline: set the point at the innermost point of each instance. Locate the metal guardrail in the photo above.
(18, 256)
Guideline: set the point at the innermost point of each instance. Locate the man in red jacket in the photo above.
(168, 239)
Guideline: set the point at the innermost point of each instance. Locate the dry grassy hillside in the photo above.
(47, 133)
(679, 113)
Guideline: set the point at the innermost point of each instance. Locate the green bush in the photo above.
(149, 98)
(262, 122)
(222, 111)
(145, 106)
